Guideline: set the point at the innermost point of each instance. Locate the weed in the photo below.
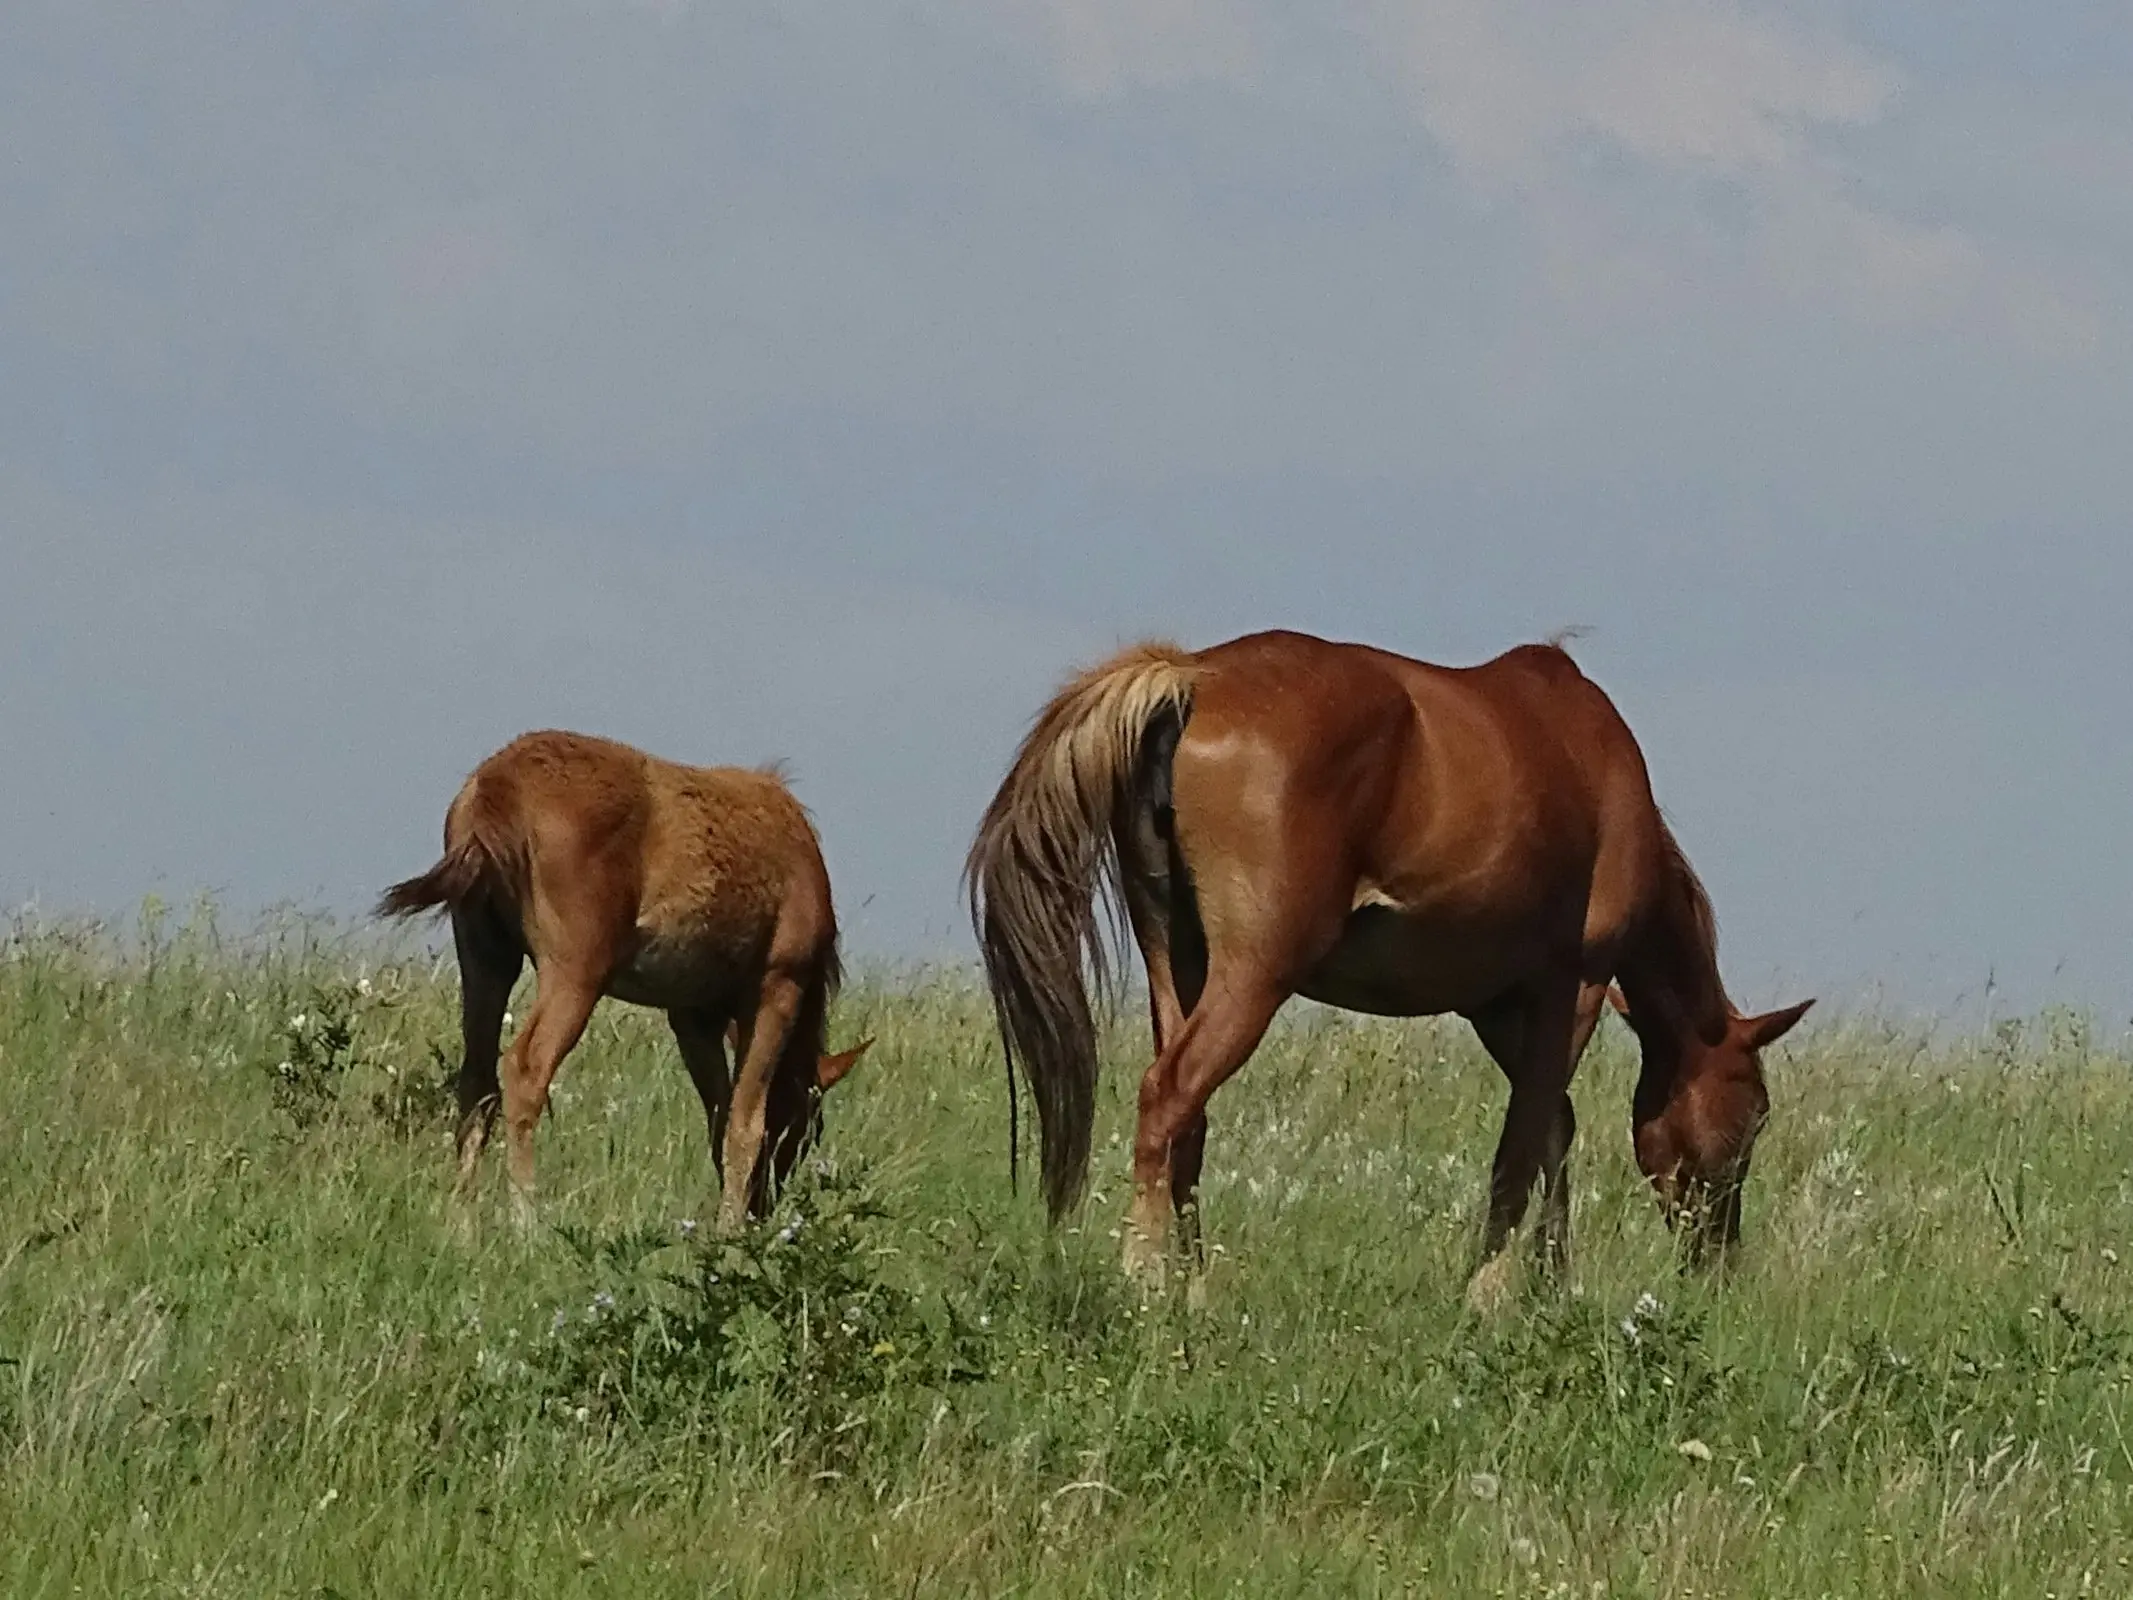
(793, 1320)
(318, 1054)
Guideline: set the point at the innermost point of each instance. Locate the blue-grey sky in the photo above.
(824, 381)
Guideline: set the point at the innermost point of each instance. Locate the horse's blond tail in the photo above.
(1044, 855)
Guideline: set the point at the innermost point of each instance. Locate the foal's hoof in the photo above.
(1490, 1289)
(732, 1218)
(523, 1215)
(1146, 1259)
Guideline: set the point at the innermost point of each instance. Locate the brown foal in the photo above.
(699, 890)
(1282, 815)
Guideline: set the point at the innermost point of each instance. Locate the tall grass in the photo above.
(250, 1346)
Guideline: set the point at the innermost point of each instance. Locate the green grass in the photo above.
(250, 1346)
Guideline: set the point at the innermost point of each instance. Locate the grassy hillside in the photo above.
(250, 1346)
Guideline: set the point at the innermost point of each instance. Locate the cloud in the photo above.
(1513, 88)
(1609, 126)
(1537, 98)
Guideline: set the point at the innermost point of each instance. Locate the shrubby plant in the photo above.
(796, 1317)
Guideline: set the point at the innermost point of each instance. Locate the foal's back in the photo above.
(684, 878)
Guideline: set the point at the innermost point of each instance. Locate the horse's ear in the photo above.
(1619, 1000)
(830, 1070)
(1759, 1033)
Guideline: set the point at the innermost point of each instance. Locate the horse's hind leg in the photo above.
(563, 1003)
(780, 1008)
(1214, 1041)
(489, 963)
(701, 1036)
(1158, 921)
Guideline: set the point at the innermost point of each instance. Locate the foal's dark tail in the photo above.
(476, 863)
(1043, 857)
(452, 881)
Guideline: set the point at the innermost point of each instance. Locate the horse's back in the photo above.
(693, 878)
(728, 843)
(1520, 743)
(1290, 755)
(551, 788)
(732, 881)
(1463, 823)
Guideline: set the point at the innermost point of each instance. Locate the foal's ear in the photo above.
(830, 1070)
(1759, 1033)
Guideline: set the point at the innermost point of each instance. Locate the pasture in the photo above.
(249, 1345)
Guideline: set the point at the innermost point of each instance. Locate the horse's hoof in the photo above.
(1145, 1259)
(462, 1223)
(1489, 1290)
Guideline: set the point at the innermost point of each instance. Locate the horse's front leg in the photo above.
(1534, 1037)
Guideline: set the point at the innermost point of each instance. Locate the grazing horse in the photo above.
(1282, 815)
(699, 890)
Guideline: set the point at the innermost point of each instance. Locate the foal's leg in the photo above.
(765, 1036)
(488, 967)
(701, 1036)
(1531, 1036)
(1215, 1040)
(564, 997)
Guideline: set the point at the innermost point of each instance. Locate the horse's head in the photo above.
(1698, 1110)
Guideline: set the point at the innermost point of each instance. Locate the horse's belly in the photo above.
(1391, 964)
(674, 971)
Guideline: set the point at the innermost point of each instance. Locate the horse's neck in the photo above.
(1669, 975)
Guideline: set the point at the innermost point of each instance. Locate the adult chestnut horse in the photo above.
(1283, 815)
(699, 890)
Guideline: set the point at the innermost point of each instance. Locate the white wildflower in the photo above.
(1484, 1486)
